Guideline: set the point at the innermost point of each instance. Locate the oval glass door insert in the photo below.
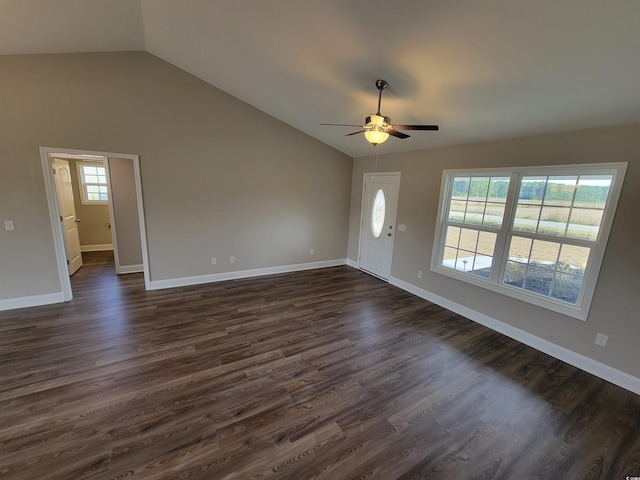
(377, 213)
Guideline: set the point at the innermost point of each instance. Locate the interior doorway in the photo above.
(134, 212)
(377, 226)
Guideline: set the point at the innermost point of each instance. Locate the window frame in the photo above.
(84, 196)
(501, 250)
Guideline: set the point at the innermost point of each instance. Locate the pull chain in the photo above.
(375, 158)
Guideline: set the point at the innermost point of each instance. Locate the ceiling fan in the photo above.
(377, 127)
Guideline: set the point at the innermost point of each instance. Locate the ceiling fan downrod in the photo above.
(380, 85)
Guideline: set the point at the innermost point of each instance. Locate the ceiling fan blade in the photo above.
(355, 133)
(395, 133)
(341, 124)
(416, 127)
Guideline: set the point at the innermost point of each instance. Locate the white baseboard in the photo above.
(601, 370)
(352, 263)
(31, 301)
(256, 272)
(96, 248)
(129, 269)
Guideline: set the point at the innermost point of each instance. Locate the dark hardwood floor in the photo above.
(327, 374)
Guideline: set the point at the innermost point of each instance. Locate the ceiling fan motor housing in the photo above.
(378, 120)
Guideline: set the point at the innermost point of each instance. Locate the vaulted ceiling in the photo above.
(482, 70)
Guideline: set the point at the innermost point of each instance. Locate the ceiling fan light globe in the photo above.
(376, 136)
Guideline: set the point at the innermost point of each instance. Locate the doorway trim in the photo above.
(46, 154)
(363, 206)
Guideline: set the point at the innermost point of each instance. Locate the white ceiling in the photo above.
(482, 70)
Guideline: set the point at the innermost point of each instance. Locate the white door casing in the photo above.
(378, 219)
(47, 154)
(67, 209)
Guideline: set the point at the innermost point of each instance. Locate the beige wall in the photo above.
(219, 177)
(125, 211)
(616, 302)
(93, 227)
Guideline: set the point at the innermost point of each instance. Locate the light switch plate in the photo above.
(402, 227)
(8, 225)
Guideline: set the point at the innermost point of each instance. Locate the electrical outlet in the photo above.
(213, 260)
(313, 252)
(419, 273)
(232, 259)
(601, 339)
(8, 225)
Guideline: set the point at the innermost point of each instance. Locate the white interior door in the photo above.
(64, 191)
(377, 228)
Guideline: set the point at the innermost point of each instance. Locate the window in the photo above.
(93, 183)
(537, 234)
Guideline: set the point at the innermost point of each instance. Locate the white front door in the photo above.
(377, 228)
(62, 176)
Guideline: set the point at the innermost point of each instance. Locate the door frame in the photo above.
(362, 215)
(46, 158)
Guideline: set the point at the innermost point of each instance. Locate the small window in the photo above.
(537, 234)
(93, 183)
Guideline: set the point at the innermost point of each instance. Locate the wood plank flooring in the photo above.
(325, 374)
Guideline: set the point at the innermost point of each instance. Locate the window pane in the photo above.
(449, 258)
(464, 261)
(453, 237)
(468, 239)
(498, 189)
(474, 213)
(520, 249)
(573, 258)
(460, 188)
(538, 279)
(593, 191)
(584, 223)
(493, 215)
(486, 243)
(560, 190)
(526, 219)
(532, 190)
(544, 253)
(89, 170)
(566, 287)
(569, 273)
(479, 188)
(456, 211)
(91, 179)
(514, 274)
(553, 221)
